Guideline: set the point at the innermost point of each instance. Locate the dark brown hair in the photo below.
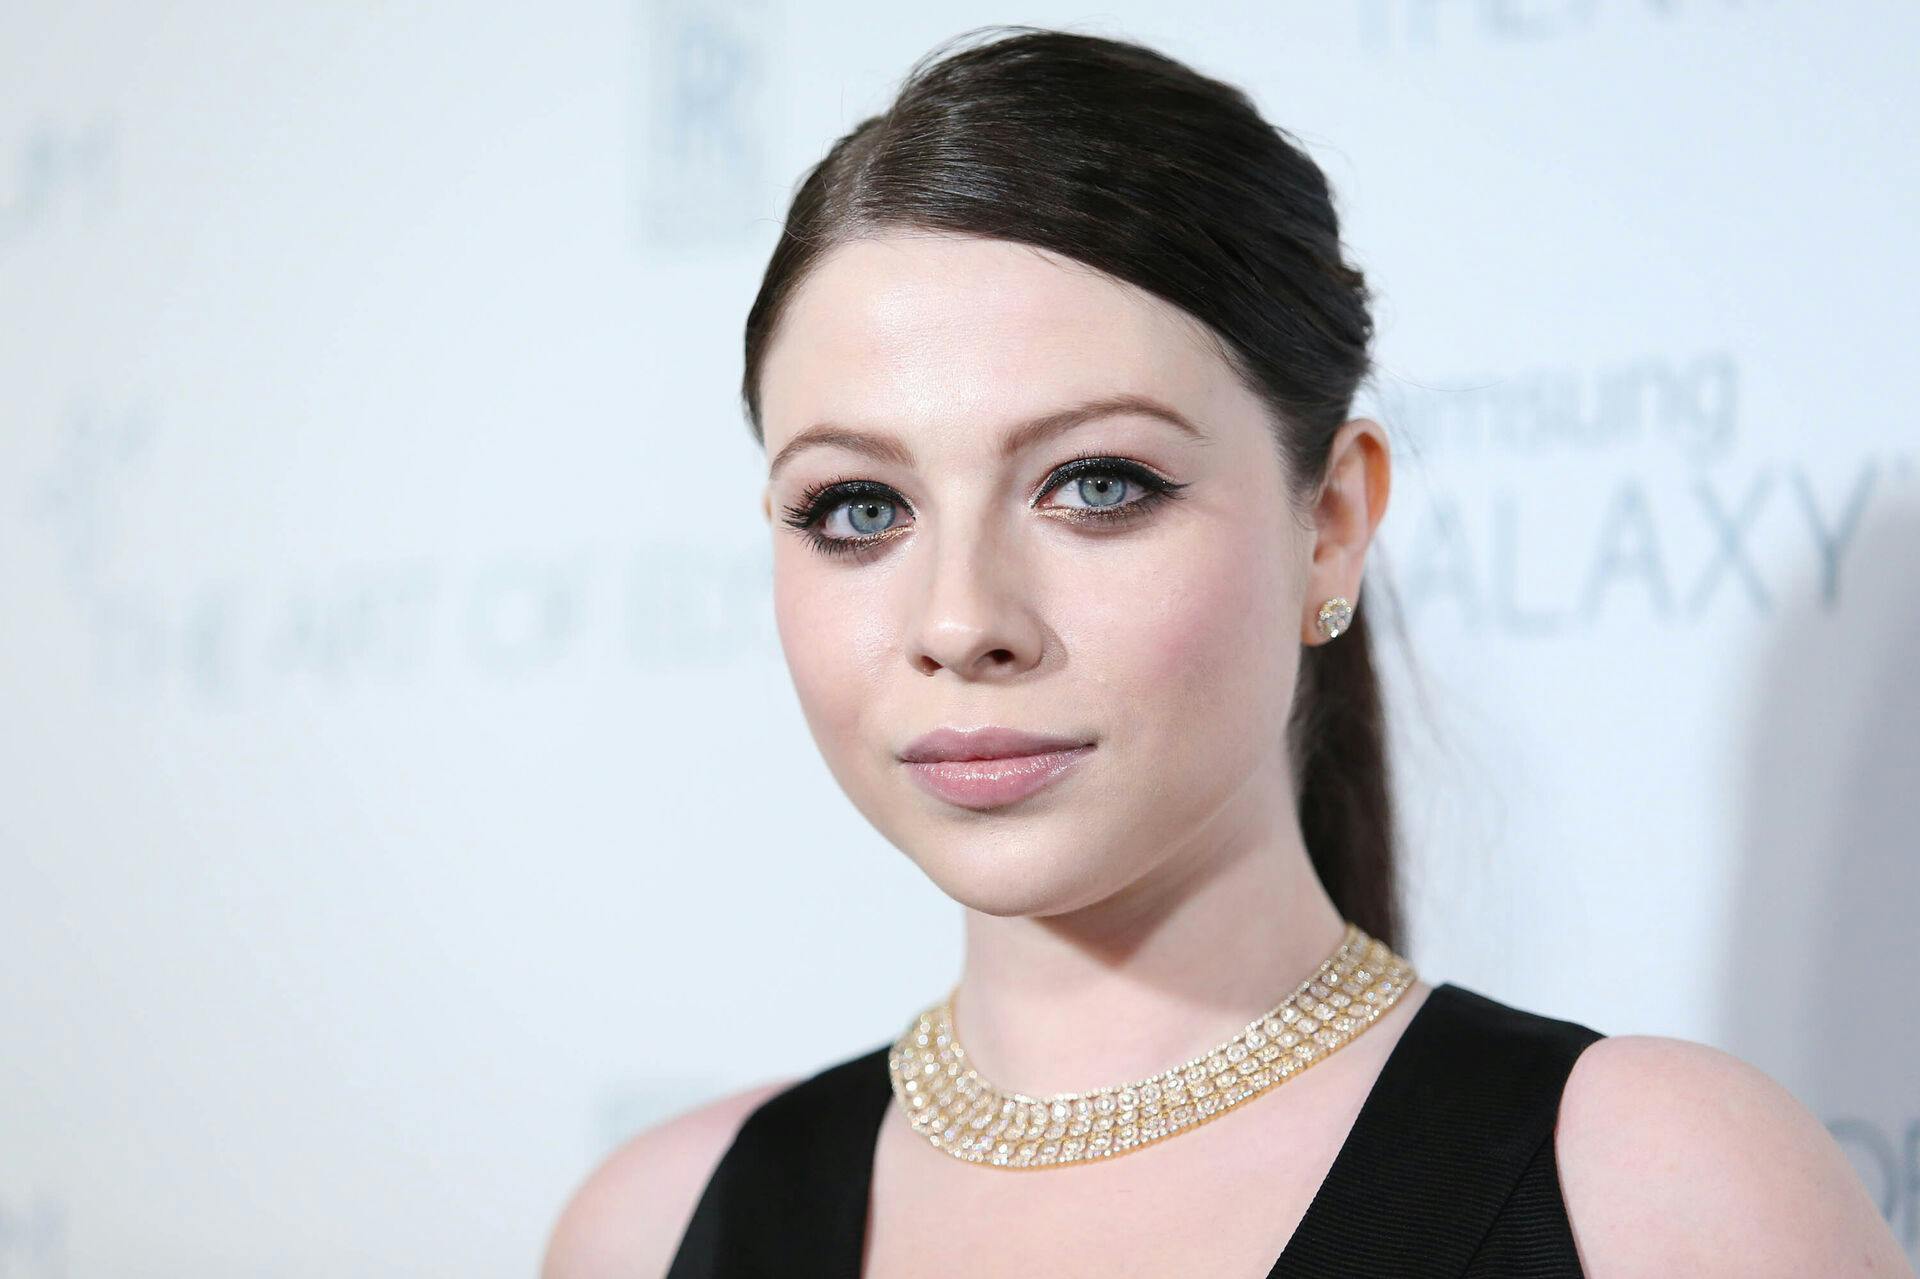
(1109, 153)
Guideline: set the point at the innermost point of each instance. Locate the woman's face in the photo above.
(972, 587)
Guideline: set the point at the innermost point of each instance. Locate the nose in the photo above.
(975, 617)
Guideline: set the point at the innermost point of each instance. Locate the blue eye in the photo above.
(1099, 482)
(872, 509)
(865, 515)
(1099, 491)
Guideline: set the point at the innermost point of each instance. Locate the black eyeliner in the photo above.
(819, 500)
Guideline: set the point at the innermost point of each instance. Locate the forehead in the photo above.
(925, 332)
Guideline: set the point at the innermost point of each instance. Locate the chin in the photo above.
(1014, 878)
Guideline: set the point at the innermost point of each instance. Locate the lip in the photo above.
(990, 741)
(990, 767)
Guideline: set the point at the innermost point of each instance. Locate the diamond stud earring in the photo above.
(1334, 616)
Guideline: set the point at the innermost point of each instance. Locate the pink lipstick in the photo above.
(990, 767)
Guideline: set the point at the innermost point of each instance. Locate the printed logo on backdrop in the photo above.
(1425, 24)
(33, 1238)
(1575, 497)
(57, 173)
(221, 637)
(1655, 492)
(698, 138)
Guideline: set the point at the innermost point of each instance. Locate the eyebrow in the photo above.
(885, 448)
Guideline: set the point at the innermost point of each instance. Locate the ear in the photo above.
(1351, 502)
(766, 503)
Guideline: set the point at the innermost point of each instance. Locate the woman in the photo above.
(1052, 366)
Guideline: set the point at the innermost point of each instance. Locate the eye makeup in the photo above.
(820, 501)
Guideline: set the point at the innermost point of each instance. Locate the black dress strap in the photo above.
(1449, 1168)
(789, 1197)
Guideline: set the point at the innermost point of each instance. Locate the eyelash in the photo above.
(822, 499)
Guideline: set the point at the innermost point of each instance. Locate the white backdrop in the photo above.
(402, 796)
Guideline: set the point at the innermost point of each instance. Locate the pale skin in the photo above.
(1164, 886)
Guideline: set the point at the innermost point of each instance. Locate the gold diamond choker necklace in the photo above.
(959, 1112)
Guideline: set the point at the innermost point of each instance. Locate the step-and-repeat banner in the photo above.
(402, 795)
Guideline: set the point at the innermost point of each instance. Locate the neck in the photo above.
(1141, 981)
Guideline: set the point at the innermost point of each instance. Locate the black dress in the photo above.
(1448, 1170)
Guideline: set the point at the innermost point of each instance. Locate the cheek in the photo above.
(1203, 635)
(826, 626)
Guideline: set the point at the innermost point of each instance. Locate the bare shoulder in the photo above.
(1677, 1158)
(628, 1216)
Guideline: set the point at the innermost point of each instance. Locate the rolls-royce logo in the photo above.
(698, 127)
